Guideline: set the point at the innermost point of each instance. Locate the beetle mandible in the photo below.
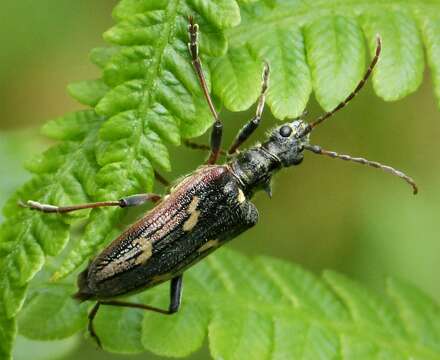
(204, 210)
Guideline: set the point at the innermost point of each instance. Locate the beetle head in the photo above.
(286, 142)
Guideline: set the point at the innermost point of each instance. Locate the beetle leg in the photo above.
(175, 297)
(197, 146)
(161, 179)
(247, 130)
(217, 129)
(176, 287)
(133, 200)
(91, 328)
(216, 140)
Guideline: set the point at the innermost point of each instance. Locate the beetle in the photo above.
(204, 210)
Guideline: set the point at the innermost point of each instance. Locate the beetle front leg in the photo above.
(133, 200)
(247, 130)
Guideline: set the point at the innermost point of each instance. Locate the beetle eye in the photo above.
(285, 130)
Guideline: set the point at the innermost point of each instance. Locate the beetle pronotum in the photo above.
(204, 210)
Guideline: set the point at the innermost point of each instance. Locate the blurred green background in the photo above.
(324, 213)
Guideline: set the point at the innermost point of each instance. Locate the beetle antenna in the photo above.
(318, 150)
(359, 86)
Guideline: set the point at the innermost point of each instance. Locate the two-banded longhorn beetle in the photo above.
(203, 211)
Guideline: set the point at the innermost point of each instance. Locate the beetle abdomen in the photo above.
(202, 212)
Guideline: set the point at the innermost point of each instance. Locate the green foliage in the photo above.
(148, 98)
(331, 33)
(66, 315)
(336, 55)
(257, 309)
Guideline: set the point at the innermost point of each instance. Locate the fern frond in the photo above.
(329, 44)
(264, 309)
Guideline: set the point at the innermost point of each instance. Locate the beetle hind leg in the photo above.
(91, 328)
(176, 287)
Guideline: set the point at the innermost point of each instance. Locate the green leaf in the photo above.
(400, 69)
(102, 56)
(431, 35)
(290, 80)
(334, 32)
(156, 331)
(74, 126)
(420, 314)
(124, 336)
(88, 92)
(229, 334)
(67, 316)
(234, 76)
(336, 54)
(211, 9)
(8, 328)
(267, 308)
